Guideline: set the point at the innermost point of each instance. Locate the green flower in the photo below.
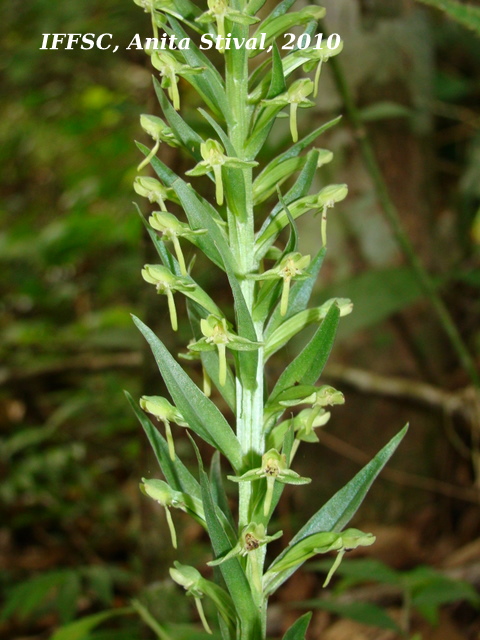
(316, 57)
(291, 267)
(318, 397)
(217, 335)
(197, 586)
(154, 190)
(322, 542)
(325, 199)
(170, 68)
(162, 493)
(253, 537)
(160, 132)
(295, 96)
(166, 413)
(167, 283)
(214, 159)
(304, 424)
(219, 11)
(273, 469)
(171, 229)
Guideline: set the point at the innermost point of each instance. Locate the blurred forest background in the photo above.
(76, 536)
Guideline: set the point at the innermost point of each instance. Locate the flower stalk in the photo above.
(240, 231)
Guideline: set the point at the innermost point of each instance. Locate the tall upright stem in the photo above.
(249, 402)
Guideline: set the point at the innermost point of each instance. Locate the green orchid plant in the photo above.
(238, 217)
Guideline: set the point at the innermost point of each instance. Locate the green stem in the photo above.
(249, 401)
(401, 236)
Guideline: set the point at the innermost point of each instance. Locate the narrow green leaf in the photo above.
(278, 218)
(299, 628)
(218, 488)
(275, 175)
(176, 473)
(341, 508)
(307, 367)
(79, 629)
(254, 6)
(201, 414)
(280, 9)
(466, 15)
(300, 321)
(208, 84)
(232, 571)
(277, 82)
(302, 144)
(276, 24)
(199, 216)
(189, 138)
(266, 117)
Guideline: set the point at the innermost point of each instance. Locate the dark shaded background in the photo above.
(71, 250)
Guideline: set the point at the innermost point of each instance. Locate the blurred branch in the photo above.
(84, 362)
(350, 452)
(462, 401)
(401, 236)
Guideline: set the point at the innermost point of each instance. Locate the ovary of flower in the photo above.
(274, 469)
